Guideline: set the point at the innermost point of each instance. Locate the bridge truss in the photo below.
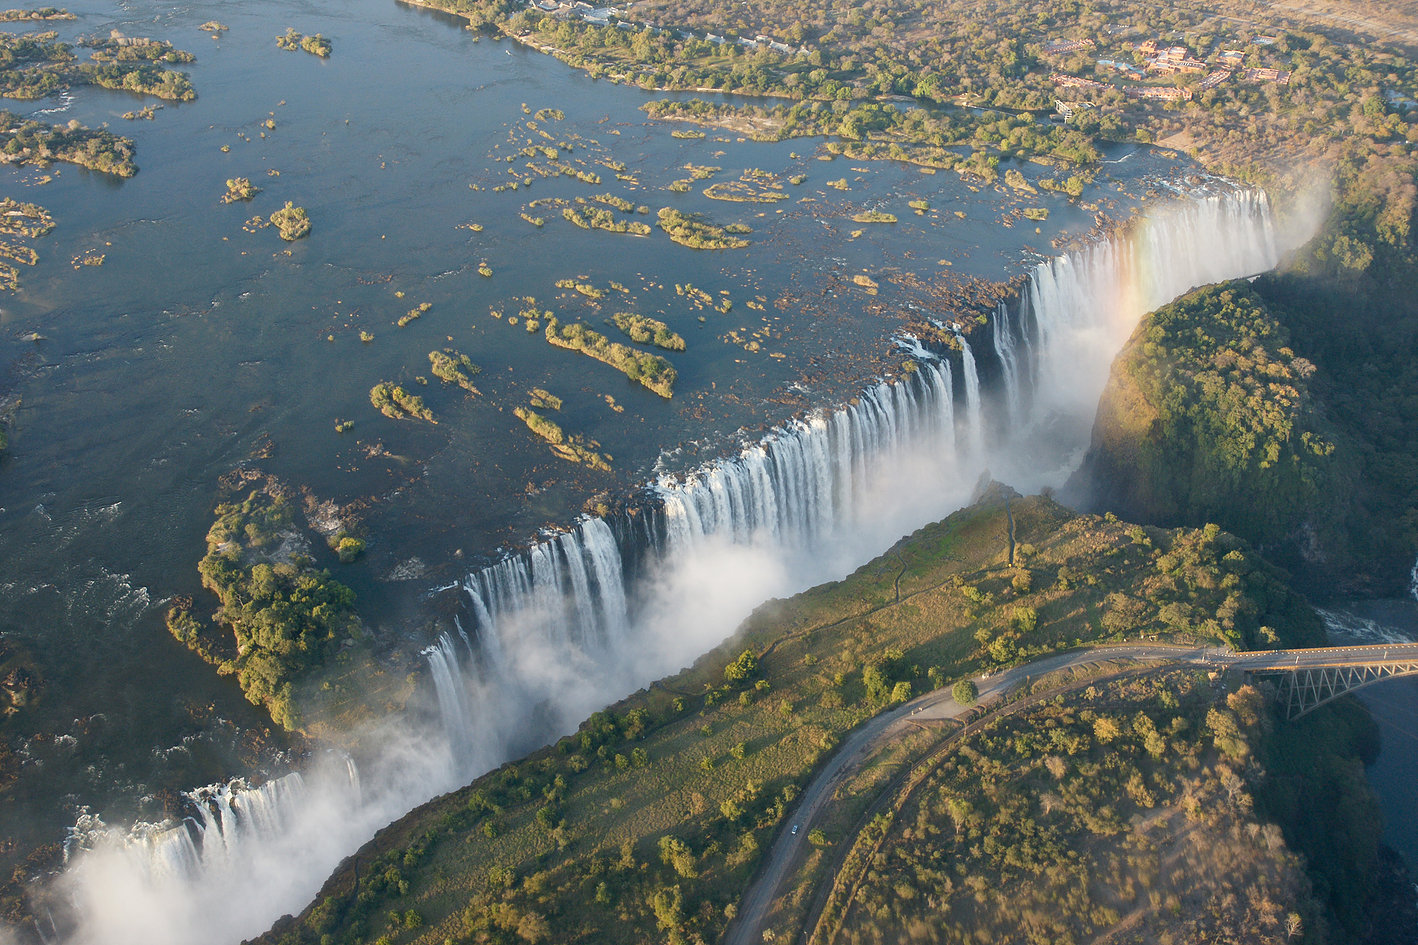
(1306, 688)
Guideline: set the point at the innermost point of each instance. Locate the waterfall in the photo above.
(551, 633)
(452, 699)
(821, 492)
(974, 416)
(1004, 350)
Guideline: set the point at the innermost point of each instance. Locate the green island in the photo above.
(413, 314)
(37, 64)
(213, 27)
(648, 824)
(398, 404)
(282, 623)
(873, 216)
(753, 186)
(25, 141)
(239, 188)
(543, 399)
(315, 44)
(619, 203)
(649, 370)
(573, 449)
(582, 288)
(642, 329)
(291, 222)
(453, 367)
(119, 48)
(19, 221)
(697, 232)
(599, 218)
(29, 16)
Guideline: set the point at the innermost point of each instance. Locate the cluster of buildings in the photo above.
(1170, 61)
(1276, 76)
(1065, 81)
(1056, 47)
(1162, 60)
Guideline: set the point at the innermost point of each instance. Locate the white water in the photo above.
(1003, 337)
(560, 630)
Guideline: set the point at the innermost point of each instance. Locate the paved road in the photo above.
(1392, 653)
(790, 846)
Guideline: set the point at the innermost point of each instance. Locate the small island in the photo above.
(873, 216)
(696, 232)
(315, 44)
(241, 188)
(599, 218)
(398, 404)
(282, 616)
(19, 221)
(573, 449)
(292, 222)
(453, 367)
(648, 370)
(32, 16)
(32, 142)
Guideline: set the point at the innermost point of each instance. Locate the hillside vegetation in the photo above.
(1125, 814)
(647, 824)
(1285, 410)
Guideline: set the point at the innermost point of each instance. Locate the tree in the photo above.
(676, 853)
(965, 692)
(667, 903)
(742, 668)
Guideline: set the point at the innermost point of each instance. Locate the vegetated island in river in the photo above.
(35, 65)
(284, 626)
(19, 221)
(649, 370)
(648, 824)
(30, 16)
(315, 44)
(24, 141)
(642, 329)
(696, 232)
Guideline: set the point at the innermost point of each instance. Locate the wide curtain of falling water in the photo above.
(548, 635)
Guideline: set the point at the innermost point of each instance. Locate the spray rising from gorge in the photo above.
(548, 635)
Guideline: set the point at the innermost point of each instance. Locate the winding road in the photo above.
(790, 847)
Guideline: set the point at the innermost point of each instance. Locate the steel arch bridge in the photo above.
(1311, 678)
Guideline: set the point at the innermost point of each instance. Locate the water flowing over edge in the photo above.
(550, 634)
